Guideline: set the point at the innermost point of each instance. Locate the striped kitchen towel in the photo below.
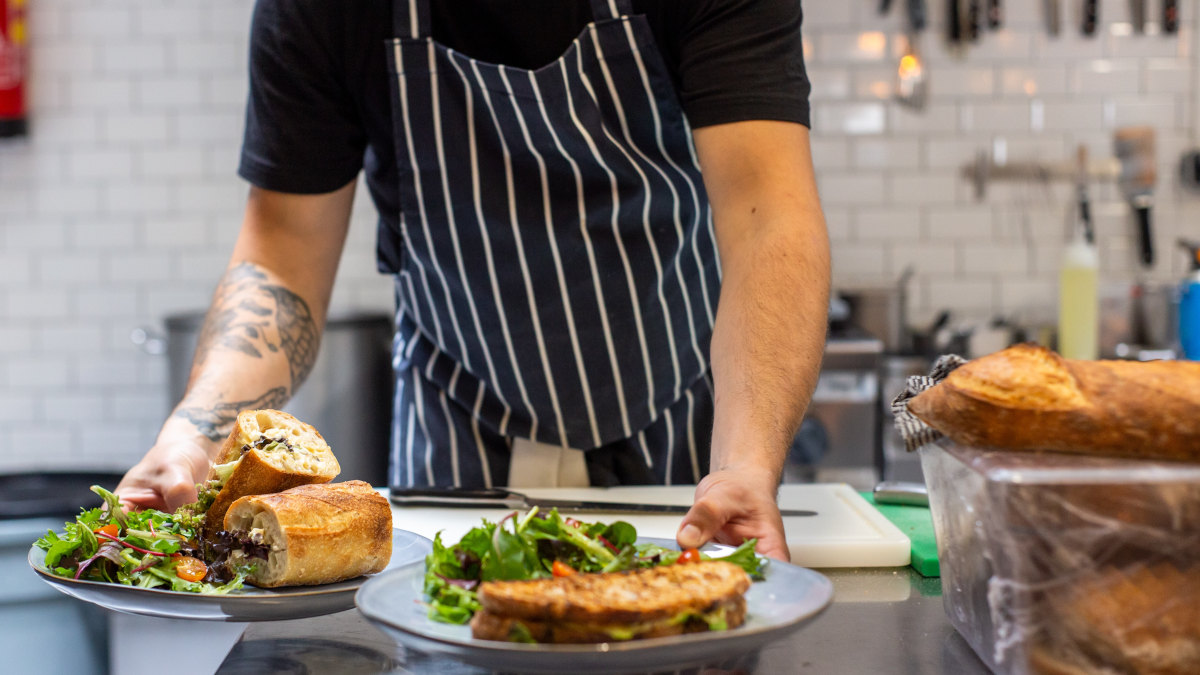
(915, 432)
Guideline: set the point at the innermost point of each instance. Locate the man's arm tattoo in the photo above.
(255, 318)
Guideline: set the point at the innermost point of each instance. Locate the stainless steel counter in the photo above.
(881, 621)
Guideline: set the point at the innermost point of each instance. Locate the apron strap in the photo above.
(410, 19)
(610, 9)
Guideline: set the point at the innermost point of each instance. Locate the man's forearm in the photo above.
(768, 340)
(257, 345)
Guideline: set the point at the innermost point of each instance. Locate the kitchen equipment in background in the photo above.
(1052, 15)
(912, 85)
(1189, 170)
(1138, 320)
(1189, 303)
(1134, 148)
(14, 58)
(1091, 16)
(879, 311)
(839, 439)
(1170, 16)
(347, 396)
(995, 14)
(1137, 15)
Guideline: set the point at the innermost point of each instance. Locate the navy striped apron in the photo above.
(558, 276)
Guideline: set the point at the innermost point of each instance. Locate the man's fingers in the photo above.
(700, 524)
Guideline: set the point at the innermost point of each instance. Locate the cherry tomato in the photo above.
(561, 569)
(111, 529)
(190, 569)
(572, 522)
(691, 555)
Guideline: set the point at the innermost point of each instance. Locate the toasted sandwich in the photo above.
(310, 534)
(267, 451)
(617, 606)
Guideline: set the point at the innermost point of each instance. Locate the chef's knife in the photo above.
(498, 498)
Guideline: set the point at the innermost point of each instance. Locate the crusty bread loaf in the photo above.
(1027, 397)
(1143, 619)
(276, 451)
(317, 534)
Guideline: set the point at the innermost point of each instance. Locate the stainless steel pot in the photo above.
(347, 397)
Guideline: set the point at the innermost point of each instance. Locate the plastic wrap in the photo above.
(1066, 564)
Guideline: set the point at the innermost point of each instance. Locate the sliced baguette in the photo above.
(317, 534)
(274, 451)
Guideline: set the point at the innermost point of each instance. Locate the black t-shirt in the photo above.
(319, 108)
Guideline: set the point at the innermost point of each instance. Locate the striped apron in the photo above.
(558, 274)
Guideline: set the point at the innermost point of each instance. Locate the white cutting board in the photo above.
(846, 532)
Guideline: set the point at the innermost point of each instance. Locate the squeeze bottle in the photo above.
(1189, 304)
(1078, 299)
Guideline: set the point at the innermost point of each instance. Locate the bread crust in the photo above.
(318, 533)
(635, 596)
(262, 471)
(1027, 397)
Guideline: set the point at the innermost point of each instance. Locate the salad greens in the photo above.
(534, 547)
(146, 549)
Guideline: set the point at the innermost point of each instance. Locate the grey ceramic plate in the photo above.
(788, 598)
(248, 604)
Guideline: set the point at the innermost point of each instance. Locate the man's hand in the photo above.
(732, 506)
(166, 477)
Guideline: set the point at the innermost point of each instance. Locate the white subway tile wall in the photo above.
(122, 205)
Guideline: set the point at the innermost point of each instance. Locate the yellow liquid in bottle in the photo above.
(1078, 310)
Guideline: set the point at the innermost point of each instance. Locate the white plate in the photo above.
(788, 598)
(248, 604)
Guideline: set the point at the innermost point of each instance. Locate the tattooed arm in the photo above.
(259, 338)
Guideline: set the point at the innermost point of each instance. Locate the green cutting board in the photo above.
(917, 524)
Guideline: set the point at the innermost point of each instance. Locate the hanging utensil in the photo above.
(995, 14)
(884, 6)
(1137, 15)
(971, 20)
(1052, 10)
(912, 84)
(953, 22)
(1091, 14)
(1170, 16)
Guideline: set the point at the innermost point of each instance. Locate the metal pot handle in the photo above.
(150, 340)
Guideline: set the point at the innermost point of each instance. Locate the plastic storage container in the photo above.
(1064, 564)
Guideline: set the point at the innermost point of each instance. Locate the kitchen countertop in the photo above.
(882, 620)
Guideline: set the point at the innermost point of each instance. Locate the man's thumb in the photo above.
(699, 525)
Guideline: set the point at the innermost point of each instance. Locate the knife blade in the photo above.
(499, 498)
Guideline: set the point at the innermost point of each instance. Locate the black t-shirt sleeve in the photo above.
(740, 60)
(303, 134)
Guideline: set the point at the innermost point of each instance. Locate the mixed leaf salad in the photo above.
(145, 549)
(534, 546)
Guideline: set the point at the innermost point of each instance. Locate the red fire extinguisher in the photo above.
(14, 52)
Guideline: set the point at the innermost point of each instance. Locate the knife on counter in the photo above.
(498, 498)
